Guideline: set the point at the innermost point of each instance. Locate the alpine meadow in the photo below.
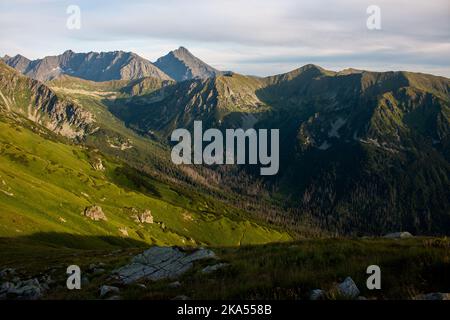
(175, 179)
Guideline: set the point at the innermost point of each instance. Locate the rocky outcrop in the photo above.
(143, 217)
(31, 289)
(42, 105)
(95, 213)
(159, 263)
(97, 164)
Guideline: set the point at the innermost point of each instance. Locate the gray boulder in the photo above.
(6, 286)
(7, 272)
(348, 288)
(317, 294)
(29, 290)
(159, 263)
(104, 290)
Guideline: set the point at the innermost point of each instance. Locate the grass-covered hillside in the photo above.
(47, 184)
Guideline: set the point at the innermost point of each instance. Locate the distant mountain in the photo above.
(182, 65)
(103, 66)
(18, 62)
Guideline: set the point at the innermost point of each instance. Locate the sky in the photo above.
(257, 37)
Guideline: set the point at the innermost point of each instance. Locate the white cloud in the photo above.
(253, 36)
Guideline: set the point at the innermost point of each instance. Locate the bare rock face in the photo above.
(43, 106)
(144, 217)
(95, 213)
(97, 164)
(159, 263)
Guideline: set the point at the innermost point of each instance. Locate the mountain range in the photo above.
(177, 65)
(361, 152)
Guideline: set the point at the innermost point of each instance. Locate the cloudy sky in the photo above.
(260, 37)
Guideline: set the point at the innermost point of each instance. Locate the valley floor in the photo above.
(409, 268)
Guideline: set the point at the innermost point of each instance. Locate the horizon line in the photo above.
(229, 70)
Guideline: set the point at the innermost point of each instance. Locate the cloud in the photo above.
(252, 36)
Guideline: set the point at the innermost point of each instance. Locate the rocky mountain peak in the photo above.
(68, 52)
(18, 62)
(181, 64)
(182, 53)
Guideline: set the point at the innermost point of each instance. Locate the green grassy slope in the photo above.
(45, 185)
(196, 188)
